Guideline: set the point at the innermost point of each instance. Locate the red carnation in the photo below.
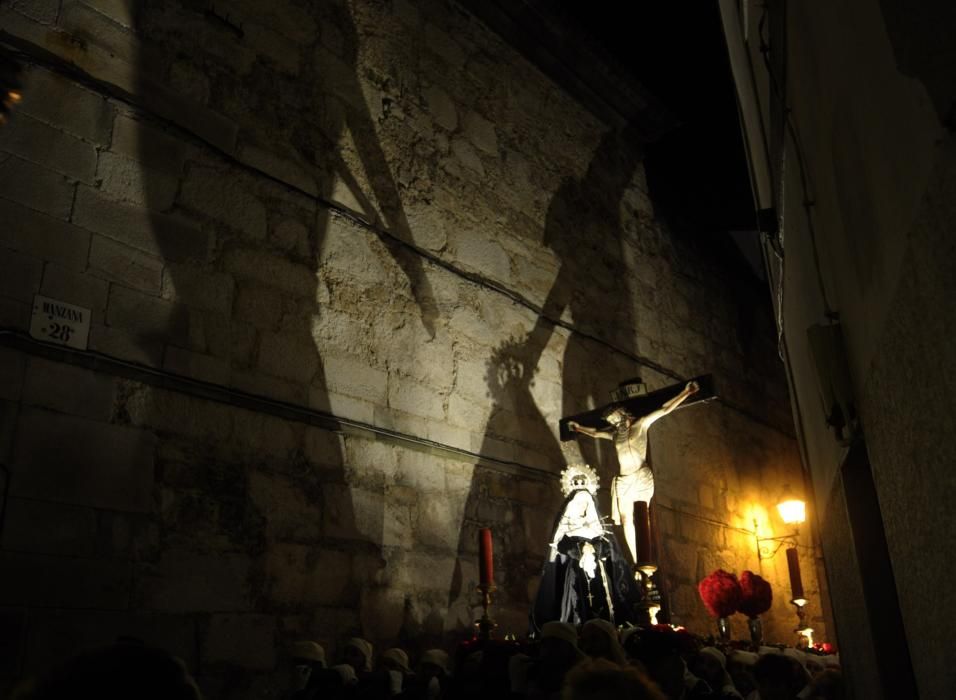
(756, 595)
(720, 592)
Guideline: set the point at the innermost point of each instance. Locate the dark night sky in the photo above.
(697, 173)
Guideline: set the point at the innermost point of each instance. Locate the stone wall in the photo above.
(348, 264)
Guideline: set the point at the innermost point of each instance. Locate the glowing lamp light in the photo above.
(792, 511)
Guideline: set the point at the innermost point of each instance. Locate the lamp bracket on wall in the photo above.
(767, 551)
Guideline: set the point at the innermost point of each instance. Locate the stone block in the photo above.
(442, 43)
(169, 237)
(282, 169)
(292, 509)
(145, 143)
(42, 236)
(411, 397)
(373, 461)
(39, 143)
(465, 155)
(269, 387)
(75, 460)
(135, 347)
(58, 102)
(127, 180)
(293, 237)
(480, 132)
(191, 582)
(303, 576)
(441, 107)
(198, 287)
(20, 275)
(43, 11)
(466, 412)
(12, 370)
(120, 11)
(711, 536)
(224, 196)
(69, 389)
(323, 448)
(195, 365)
(75, 288)
(449, 435)
(35, 187)
(96, 28)
(271, 270)
(353, 513)
(42, 527)
(353, 377)
(118, 262)
(421, 471)
(437, 522)
(288, 357)
(149, 317)
(244, 640)
(69, 582)
(260, 306)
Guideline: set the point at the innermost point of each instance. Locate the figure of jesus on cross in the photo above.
(635, 481)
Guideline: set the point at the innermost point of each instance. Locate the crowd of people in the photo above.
(595, 660)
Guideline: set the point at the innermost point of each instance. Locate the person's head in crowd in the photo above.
(433, 663)
(710, 665)
(558, 653)
(395, 659)
(126, 669)
(346, 673)
(598, 679)
(598, 640)
(357, 653)
(740, 668)
(657, 650)
(778, 677)
(559, 643)
(828, 685)
(306, 656)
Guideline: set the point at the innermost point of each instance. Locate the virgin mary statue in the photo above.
(585, 574)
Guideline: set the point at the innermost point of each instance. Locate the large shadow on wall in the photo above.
(265, 500)
(584, 229)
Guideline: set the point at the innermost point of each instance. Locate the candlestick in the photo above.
(642, 523)
(486, 565)
(796, 583)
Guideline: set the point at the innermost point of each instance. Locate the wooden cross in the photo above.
(640, 405)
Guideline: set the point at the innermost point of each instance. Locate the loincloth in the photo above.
(628, 489)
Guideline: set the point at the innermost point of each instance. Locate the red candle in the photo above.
(796, 583)
(486, 567)
(642, 524)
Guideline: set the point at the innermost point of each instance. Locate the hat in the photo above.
(435, 657)
(398, 657)
(307, 650)
(365, 647)
(560, 630)
(800, 657)
(603, 625)
(745, 658)
(715, 653)
(346, 673)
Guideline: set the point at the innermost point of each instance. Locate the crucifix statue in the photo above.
(626, 422)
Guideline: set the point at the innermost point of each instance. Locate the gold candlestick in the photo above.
(485, 624)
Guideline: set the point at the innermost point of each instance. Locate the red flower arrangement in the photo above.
(756, 595)
(721, 593)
